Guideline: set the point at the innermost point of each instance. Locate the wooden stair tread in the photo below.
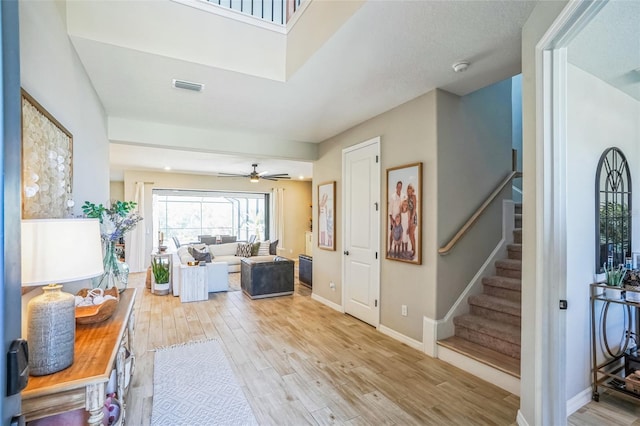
(482, 354)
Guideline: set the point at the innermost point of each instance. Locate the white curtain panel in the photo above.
(277, 226)
(136, 245)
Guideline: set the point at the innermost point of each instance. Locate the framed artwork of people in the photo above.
(326, 215)
(404, 219)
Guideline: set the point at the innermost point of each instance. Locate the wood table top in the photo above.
(96, 346)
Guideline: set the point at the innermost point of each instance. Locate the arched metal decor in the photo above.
(613, 209)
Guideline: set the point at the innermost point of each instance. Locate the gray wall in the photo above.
(474, 156)
(465, 147)
(408, 135)
(116, 190)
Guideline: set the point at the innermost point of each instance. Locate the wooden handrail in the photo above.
(469, 223)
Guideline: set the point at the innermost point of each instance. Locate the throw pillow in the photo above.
(273, 247)
(200, 256)
(254, 248)
(264, 248)
(244, 250)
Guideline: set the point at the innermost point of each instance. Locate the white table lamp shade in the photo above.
(56, 251)
(60, 250)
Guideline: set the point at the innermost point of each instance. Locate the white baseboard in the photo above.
(483, 371)
(327, 302)
(578, 401)
(430, 336)
(521, 420)
(401, 338)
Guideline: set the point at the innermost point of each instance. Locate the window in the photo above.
(189, 214)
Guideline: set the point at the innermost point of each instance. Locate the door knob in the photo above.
(346, 252)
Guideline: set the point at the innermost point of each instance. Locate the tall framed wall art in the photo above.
(326, 215)
(404, 218)
(47, 163)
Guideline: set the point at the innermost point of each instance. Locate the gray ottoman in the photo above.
(262, 278)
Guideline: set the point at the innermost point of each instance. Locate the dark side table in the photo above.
(305, 270)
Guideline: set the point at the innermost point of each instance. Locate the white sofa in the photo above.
(220, 253)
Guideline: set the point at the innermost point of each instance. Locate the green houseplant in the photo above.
(160, 270)
(615, 278)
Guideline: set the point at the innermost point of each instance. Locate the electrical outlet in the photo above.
(404, 310)
(332, 286)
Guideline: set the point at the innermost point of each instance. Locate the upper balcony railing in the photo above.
(276, 11)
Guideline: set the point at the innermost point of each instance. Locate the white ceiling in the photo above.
(387, 53)
(603, 48)
(135, 157)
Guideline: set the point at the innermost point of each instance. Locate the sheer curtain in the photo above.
(136, 245)
(277, 226)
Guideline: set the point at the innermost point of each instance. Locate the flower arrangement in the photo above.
(116, 220)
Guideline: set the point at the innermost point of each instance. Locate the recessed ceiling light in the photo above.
(461, 66)
(301, 177)
(167, 168)
(188, 85)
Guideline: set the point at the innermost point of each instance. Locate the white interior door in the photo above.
(361, 200)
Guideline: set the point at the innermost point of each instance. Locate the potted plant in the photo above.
(615, 277)
(161, 269)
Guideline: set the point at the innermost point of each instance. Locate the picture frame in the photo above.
(327, 215)
(403, 240)
(47, 163)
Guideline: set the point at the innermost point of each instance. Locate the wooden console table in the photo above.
(83, 385)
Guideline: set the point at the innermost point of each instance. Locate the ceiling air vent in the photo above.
(188, 85)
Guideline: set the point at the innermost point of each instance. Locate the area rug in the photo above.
(193, 384)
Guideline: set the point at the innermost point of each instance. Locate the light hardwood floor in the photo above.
(300, 362)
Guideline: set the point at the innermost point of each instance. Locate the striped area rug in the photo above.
(193, 384)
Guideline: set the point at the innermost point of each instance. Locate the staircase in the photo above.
(490, 332)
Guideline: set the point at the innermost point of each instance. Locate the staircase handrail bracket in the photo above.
(476, 215)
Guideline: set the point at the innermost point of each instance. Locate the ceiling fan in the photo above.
(254, 176)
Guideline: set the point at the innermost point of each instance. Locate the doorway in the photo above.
(567, 144)
(361, 236)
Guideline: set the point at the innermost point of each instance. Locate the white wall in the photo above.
(52, 73)
(598, 117)
(297, 201)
